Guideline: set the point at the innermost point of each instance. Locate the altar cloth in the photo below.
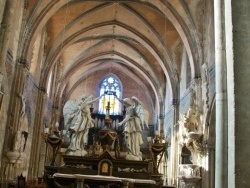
(103, 178)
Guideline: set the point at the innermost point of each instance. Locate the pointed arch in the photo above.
(110, 86)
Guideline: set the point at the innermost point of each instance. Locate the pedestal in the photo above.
(189, 176)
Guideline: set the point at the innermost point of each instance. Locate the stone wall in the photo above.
(239, 69)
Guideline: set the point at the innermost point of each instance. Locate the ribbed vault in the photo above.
(139, 37)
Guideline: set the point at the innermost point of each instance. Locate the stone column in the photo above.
(161, 119)
(174, 158)
(7, 17)
(162, 167)
(15, 105)
(5, 31)
(238, 47)
(2, 6)
(221, 92)
(35, 147)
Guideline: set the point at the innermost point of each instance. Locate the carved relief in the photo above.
(190, 140)
(190, 129)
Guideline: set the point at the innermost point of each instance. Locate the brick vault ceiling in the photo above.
(142, 37)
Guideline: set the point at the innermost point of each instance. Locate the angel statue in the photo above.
(77, 121)
(136, 118)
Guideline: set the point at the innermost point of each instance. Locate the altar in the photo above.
(104, 170)
(79, 180)
(104, 165)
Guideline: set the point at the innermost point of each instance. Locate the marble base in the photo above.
(133, 157)
(77, 153)
(14, 156)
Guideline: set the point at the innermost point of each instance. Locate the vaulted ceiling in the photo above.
(144, 38)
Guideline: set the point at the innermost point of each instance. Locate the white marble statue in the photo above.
(23, 120)
(19, 142)
(190, 131)
(77, 120)
(135, 119)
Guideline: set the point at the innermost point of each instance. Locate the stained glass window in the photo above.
(111, 87)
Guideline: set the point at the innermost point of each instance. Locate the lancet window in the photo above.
(111, 88)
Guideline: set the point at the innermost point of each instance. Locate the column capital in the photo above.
(161, 116)
(24, 62)
(175, 102)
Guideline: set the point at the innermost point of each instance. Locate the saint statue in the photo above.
(23, 121)
(19, 142)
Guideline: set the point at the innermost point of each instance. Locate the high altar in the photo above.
(103, 164)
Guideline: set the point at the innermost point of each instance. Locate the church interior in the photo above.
(125, 93)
